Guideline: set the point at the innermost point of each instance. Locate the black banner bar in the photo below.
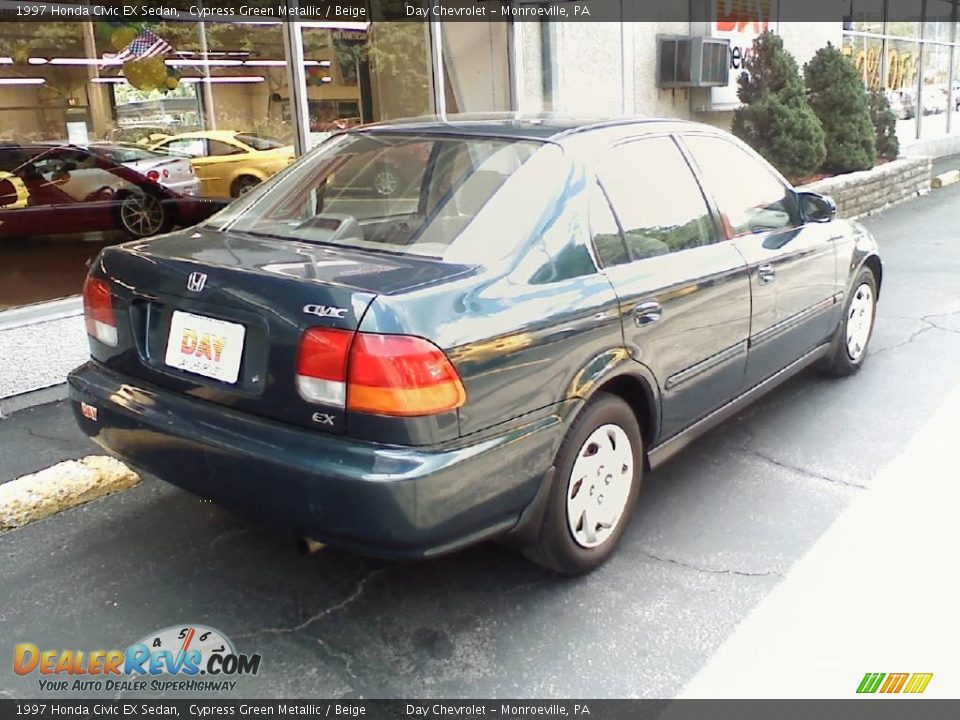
(733, 12)
(854, 709)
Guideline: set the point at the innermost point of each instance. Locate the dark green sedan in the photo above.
(541, 312)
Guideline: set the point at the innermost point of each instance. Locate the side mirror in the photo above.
(815, 207)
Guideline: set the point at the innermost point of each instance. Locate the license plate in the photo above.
(205, 346)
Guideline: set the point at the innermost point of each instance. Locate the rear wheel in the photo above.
(243, 184)
(856, 327)
(142, 215)
(598, 471)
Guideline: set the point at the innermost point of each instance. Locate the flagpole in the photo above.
(207, 90)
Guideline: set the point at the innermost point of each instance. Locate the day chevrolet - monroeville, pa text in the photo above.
(544, 310)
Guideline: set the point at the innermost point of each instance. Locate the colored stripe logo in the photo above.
(913, 683)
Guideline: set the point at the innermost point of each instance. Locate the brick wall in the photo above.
(869, 191)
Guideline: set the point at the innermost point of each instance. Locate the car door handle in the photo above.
(766, 273)
(647, 312)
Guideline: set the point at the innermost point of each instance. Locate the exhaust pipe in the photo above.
(309, 546)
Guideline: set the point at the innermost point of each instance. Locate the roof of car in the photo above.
(542, 126)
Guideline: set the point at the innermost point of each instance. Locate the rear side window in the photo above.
(186, 147)
(750, 197)
(218, 147)
(605, 232)
(458, 199)
(657, 198)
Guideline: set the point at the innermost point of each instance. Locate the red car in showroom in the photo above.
(50, 188)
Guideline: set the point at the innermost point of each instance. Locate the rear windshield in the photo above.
(451, 198)
(121, 154)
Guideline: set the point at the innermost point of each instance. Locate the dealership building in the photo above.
(64, 84)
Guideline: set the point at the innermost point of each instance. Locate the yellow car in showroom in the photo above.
(228, 162)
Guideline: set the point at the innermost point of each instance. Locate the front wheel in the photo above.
(598, 471)
(856, 327)
(142, 215)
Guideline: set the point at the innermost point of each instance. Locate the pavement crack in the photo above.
(344, 658)
(350, 599)
(928, 325)
(801, 471)
(42, 436)
(231, 533)
(711, 571)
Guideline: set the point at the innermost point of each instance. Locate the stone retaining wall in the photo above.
(863, 193)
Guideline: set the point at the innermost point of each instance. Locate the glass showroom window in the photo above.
(360, 72)
(935, 90)
(110, 132)
(909, 59)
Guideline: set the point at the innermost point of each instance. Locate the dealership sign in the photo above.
(739, 21)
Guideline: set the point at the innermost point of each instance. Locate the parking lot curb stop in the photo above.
(60, 487)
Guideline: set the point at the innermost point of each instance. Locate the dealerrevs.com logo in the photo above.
(180, 658)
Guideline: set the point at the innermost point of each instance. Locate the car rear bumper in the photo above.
(392, 501)
(189, 187)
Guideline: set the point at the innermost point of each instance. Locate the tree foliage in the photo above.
(837, 95)
(884, 125)
(776, 119)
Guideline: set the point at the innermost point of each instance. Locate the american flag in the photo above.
(146, 44)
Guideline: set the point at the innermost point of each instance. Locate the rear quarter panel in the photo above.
(527, 334)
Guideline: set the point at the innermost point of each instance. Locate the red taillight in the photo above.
(382, 374)
(153, 175)
(400, 375)
(98, 311)
(322, 365)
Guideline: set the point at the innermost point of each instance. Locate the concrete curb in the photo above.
(16, 403)
(944, 179)
(60, 487)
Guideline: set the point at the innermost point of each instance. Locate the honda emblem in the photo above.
(196, 281)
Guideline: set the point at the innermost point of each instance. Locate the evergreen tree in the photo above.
(776, 119)
(885, 125)
(838, 97)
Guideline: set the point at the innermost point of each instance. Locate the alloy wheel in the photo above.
(141, 215)
(385, 183)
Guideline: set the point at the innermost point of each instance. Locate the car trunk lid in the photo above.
(220, 316)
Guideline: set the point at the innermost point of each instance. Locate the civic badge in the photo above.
(196, 281)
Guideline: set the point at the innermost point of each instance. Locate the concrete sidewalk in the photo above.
(877, 592)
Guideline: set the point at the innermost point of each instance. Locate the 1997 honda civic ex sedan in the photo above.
(499, 349)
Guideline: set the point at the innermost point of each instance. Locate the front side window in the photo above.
(750, 197)
(458, 199)
(656, 197)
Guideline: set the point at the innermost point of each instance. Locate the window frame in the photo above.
(719, 231)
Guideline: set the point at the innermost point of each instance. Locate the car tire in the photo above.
(143, 215)
(600, 459)
(243, 185)
(856, 327)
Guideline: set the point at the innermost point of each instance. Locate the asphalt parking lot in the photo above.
(715, 532)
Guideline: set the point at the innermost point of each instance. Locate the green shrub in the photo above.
(884, 124)
(776, 119)
(837, 95)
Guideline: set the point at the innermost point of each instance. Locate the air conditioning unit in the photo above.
(684, 61)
